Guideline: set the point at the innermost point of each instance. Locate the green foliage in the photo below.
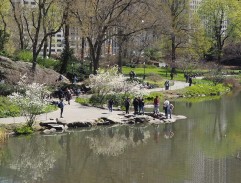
(150, 98)
(6, 89)
(48, 63)
(152, 53)
(205, 90)
(48, 108)
(8, 109)
(23, 130)
(99, 100)
(24, 55)
(83, 101)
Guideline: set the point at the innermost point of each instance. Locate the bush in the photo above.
(48, 63)
(83, 101)
(23, 130)
(205, 89)
(98, 101)
(6, 89)
(150, 98)
(24, 55)
(8, 109)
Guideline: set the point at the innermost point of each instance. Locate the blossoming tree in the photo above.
(30, 99)
(109, 81)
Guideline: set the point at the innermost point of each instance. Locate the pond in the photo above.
(204, 148)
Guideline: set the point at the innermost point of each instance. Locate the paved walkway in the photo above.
(76, 112)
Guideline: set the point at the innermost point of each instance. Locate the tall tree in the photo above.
(4, 14)
(17, 10)
(222, 19)
(98, 17)
(35, 17)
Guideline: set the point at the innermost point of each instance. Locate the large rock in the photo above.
(11, 71)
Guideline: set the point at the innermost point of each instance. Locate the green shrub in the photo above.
(150, 98)
(48, 63)
(8, 109)
(205, 89)
(24, 55)
(83, 101)
(6, 89)
(98, 101)
(23, 130)
(49, 108)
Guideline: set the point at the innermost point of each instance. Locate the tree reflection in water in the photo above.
(114, 141)
(31, 158)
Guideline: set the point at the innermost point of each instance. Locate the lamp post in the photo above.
(144, 76)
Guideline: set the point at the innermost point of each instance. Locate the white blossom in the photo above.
(111, 82)
(29, 98)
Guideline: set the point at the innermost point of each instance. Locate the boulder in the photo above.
(11, 71)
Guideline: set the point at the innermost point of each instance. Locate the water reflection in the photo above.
(113, 141)
(203, 148)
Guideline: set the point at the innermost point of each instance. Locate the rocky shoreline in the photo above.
(57, 124)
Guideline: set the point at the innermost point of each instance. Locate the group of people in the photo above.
(167, 107)
(138, 104)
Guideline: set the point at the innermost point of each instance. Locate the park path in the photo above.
(79, 113)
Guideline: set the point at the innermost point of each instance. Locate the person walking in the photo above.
(170, 109)
(167, 84)
(156, 105)
(110, 105)
(61, 106)
(165, 107)
(127, 105)
(190, 81)
(68, 95)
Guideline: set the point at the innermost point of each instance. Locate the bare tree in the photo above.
(96, 18)
(36, 17)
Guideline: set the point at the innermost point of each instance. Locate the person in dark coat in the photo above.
(190, 81)
(141, 105)
(61, 106)
(136, 105)
(127, 105)
(110, 105)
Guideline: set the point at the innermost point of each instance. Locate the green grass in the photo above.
(150, 70)
(205, 90)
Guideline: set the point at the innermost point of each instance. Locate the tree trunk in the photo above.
(35, 56)
(95, 51)
(50, 45)
(45, 48)
(120, 42)
(82, 48)
(66, 52)
(173, 38)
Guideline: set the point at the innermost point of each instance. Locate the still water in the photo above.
(204, 148)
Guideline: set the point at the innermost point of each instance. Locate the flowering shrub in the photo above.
(109, 81)
(31, 102)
